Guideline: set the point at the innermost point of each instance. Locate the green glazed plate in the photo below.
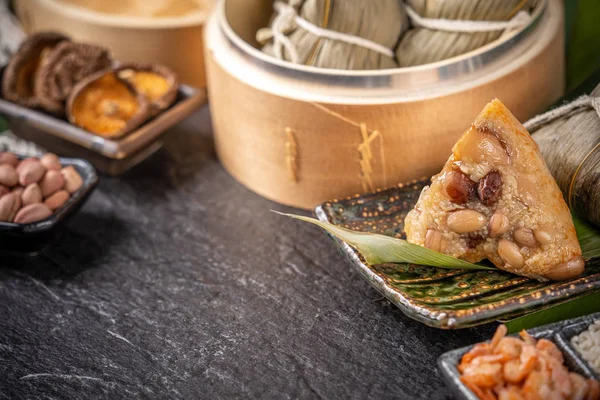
(438, 297)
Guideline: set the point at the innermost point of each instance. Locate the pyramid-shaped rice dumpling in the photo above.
(495, 199)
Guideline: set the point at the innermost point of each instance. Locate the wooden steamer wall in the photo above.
(299, 139)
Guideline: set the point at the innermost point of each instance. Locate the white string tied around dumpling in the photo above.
(520, 19)
(287, 16)
(584, 101)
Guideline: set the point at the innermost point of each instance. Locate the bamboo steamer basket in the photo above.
(173, 41)
(301, 135)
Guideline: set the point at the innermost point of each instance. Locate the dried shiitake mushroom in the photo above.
(67, 64)
(157, 83)
(20, 76)
(107, 105)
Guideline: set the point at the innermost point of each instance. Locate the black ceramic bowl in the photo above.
(32, 239)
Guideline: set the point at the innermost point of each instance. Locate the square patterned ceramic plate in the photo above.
(438, 297)
(560, 333)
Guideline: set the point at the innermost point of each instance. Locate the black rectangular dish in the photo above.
(31, 239)
(560, 333)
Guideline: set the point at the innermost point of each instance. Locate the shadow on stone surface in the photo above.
(184, 155)
(72, 252)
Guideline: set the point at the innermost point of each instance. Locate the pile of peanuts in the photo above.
(32, 189)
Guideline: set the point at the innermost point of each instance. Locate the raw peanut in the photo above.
(3, 190)
(31, 195)
(463, 221)
(510, 253)
(26, 161)
(481, 147)
(9, 205)
(524, 238)
(543, 236)
(8, 175)
(9, 158)
(459, 187)
(73, 181)
(50, 161)
(52, 182)
(32, 213)
(18, 190)
(57, 200)
(568, 270)
(490, 188)
(30, 171)
(434, 240)
(498, 224)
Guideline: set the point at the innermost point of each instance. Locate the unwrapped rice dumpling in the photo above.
(495, 199)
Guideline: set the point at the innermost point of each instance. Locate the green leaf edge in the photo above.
(379, 249)
(384, 248)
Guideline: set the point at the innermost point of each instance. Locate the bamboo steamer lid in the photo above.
(301, 135)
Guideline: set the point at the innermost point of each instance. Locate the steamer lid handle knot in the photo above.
(287, 19)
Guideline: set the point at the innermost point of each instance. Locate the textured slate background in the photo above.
(175, 281)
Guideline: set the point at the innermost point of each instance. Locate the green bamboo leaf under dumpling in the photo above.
(379, 249)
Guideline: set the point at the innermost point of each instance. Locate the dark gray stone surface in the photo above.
(175, 281)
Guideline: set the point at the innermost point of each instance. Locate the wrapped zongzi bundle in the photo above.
(342, 34)
(569, 139)
(421, 45)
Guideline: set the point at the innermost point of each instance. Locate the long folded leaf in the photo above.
(379, 249)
